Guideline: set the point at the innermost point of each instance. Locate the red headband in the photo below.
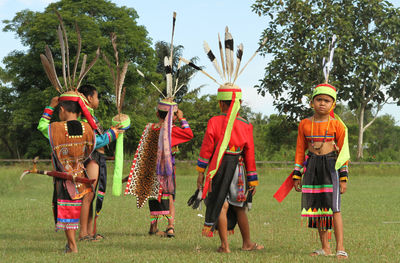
(84, 109)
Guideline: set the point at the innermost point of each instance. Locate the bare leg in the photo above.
(70, 234)
(172, 212)
(223, 229)
(86, 222)
(90, 224)
(244, 227)
(338, 227)
(153, 227)
(323, 236)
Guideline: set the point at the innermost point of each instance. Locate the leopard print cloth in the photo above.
(142, 180)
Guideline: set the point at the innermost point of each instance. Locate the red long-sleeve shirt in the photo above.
(241, 142)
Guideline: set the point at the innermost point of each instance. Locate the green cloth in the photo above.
(119, 159)
(43, 127)
(227, 95)
(326, 90)
(227, 134)
(344, 154)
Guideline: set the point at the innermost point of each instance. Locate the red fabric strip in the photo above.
(230, 90)
(285, 189)
(84, 109)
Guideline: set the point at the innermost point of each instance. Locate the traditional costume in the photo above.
(322, 173)
(152, 175)
(228, 148)
(71, 141)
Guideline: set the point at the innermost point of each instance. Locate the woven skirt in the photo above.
(320, 191)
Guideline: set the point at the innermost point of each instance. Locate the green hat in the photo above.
(225, 92)
(325, 89)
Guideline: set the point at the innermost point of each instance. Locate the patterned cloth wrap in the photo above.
(164, 153)
(142, 180)
(72, 142)
(320, 191)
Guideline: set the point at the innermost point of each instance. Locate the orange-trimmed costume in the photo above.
(309, 131)
(322, 173)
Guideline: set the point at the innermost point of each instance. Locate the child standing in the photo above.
(226, 201)
(72, 142)
(228, 152)
(323, 135)
(157, 149)
(96, 168)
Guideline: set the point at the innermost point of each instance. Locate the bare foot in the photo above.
(252, 247)
(223, 250)
(68, 249)
(321, 252)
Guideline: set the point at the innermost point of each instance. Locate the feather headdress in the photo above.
(164, 168)
(321, 89)
(327, 89)
(227, 91)
(172, 87)
(327, 63)
(229, 72)
(69, 89)
(70, 83)
(118, 74)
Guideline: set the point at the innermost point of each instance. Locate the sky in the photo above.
(196, 21)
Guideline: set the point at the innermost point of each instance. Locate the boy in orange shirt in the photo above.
(325, 173)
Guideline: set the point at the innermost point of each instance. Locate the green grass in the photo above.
(27, 228)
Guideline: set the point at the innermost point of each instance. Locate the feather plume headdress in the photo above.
(164, 168)
(227, 91)
(118, 75)
(69, 89)
(327, 64)
(327, 89)
(172, 87)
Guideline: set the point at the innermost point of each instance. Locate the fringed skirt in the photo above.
(159, 207)
(66, 211)
(159, 210)
(320, 191)
(228, 185)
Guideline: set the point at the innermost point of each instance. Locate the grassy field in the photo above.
(370, 208)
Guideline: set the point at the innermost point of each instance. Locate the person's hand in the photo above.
(54, 102)
(117, 130)
(343, 187)
(253, 190)
(200, 180)
(179, 114)
(297, 186)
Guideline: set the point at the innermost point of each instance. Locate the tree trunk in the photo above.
(10, 150)
(360, 133)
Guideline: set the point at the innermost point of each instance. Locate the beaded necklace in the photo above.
(326, 133)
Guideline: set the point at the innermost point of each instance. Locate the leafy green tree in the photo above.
(366, 62)
(97, 19)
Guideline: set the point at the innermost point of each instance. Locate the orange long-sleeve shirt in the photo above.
(336, 132)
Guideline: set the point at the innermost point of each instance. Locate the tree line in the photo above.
(365, 72)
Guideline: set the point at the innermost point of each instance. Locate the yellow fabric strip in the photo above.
(227, 135)
(344, 154)
(253, 183)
